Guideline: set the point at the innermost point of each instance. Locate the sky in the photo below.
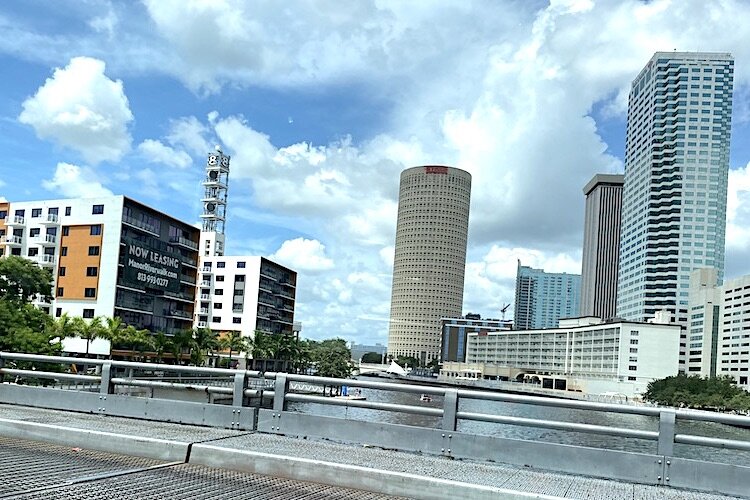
(322, 104)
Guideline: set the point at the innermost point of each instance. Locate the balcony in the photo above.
(12, 240)
(207, 270)
(205, 296)
(202, 324)
(51, 219)
(149, 228)
(16, 220)
(46, 240)
(176, 313)
(142, 304)
(184, 242)
(206, 283)
(46, 260)
(203, 310)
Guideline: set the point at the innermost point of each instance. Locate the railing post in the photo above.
(105, 386)
(450, 408)
(666, 433)
(2, 365)
(280, 387)
(238, 395)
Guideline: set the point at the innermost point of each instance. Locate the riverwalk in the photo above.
(356, 470)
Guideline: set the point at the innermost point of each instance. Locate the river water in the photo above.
(543, 413)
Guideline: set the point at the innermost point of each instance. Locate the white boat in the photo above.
(425, 397)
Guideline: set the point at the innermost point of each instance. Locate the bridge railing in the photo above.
(260, 401)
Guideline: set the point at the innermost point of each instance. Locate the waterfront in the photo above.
(541, 413)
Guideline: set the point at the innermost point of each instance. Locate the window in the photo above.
(240, 278)
(66, 231)
(632, 368)
(217, 305)
(239, 292)
(89, 292)
(219, 278)
(63, 251)
(96, 229)
(88, 313)
(34, 231)
(633, 341)
(91, 271)
(58, 312)
(97, 209)
(20, 213)
(236, 321)
(240, 265)
(36, 212)
(216, 319)
(67, 210)
(60, 291)
(221, 264)
(61, 272)
(218, 291)
(3, 214)
(52, 211)
(94, 250)
(33, 252)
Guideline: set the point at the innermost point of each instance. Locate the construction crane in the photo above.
(503, 309)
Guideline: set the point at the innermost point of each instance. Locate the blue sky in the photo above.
(321, 107)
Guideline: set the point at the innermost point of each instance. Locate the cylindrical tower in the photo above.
(430, 260)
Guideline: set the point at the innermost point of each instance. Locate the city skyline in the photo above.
(127, 99)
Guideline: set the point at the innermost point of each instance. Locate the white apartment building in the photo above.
(237, 293)
(719, 331)
(109, 256)
(675, 191)
(586, 354)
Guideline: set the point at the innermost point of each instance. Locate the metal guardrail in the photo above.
(251, 391)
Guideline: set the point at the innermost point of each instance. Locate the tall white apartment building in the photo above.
(719, 330)
(430, 258)
(675, 192)
(109, 256)
(237, 293)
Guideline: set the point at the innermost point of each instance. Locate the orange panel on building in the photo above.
(77, 260)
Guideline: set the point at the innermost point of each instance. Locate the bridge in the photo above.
(98, 435)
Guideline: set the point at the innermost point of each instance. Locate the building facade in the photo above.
(109, 256)
(601, 246)
(430, 258)
(246, 294)
(542, 299)
(719, 335)
(456, 331)
(675, 192)
(584, 354)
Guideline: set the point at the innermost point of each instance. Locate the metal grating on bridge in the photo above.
(34, 470)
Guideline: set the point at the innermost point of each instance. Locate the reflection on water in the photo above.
(543, 413)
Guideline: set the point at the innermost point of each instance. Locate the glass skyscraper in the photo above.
(543, 298)
(675, 192)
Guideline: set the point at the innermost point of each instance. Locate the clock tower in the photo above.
(214, 202)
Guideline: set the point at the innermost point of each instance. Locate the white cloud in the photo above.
(81, 108)
(155, 152)
(738, 210)
(73, 181)
(190, 134)
(303, 255)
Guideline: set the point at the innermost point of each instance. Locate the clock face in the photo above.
(210, 206)
(224, 161)
(213, 160)
(213, 175)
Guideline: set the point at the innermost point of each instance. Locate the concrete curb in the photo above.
(158, 449)
(350, 476)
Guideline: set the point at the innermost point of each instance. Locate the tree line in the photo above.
(693, 391)
(25, 328)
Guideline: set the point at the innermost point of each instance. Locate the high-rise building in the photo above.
(237, 293)
(456, 331)
(430, 258)
(543, 299)
(109, 256)
(601, 246)
(675, 193)
(718, 343)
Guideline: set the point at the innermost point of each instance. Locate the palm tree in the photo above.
(235, 342)
(181, 340)
(139, 340)
(113, 330)
(89, 331)
(63, 327)
(160, 343)
(206, 342)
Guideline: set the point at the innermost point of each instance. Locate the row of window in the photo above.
(37, 212)
(89, 293)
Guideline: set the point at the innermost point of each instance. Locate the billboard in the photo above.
(145, 267)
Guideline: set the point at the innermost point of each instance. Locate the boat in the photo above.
(425, 397)
(351, 398)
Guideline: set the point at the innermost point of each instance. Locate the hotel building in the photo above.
(675, 194)
(109, 256)
(601, 246)
(456, 331)
(582, 354)
(430, 258)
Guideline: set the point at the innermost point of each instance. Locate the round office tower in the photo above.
(430, 259)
